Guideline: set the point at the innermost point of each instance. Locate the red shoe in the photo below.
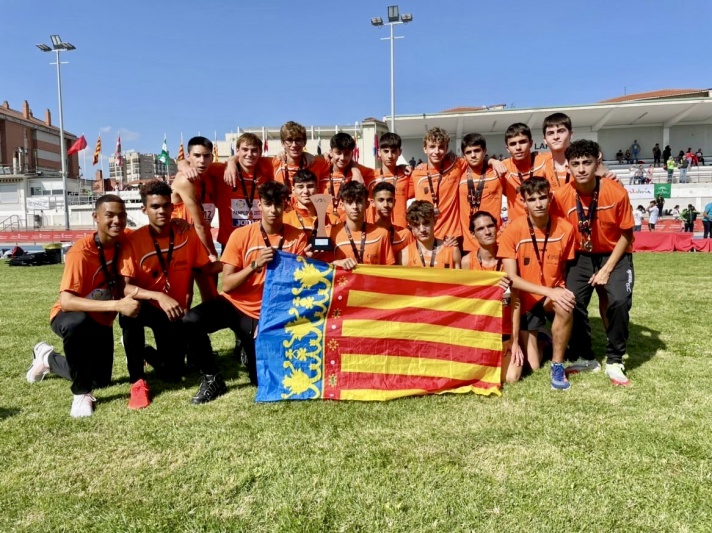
(139, 395)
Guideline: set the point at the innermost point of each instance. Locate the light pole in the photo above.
(394, 17)
(59, 46)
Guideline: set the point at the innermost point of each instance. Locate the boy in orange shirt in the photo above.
(601, 213)
(342, 170)
(90, 296)
(383, 201)
(535, 249)
(426, 251)
(389, 150)
(163, 263)
(304, 213)
(480, 189)
(293, 137)
(356, 241)
(248, 251)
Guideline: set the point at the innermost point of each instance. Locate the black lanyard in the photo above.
(165, 264)
(433, 193)
(112, 278)
(497, 268)
(585, 223)
(556, 174)
(336, 198)
(392, 231)
(540, 259)
(266, 237)
(474, 196)
(285, 169)
(531, 169)
(251, 198)
(359, 255)
(432, 254)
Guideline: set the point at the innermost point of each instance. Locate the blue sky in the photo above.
(154, 67)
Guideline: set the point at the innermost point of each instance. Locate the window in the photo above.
(9, 194)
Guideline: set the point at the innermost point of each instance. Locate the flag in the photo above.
(232, 147)
(356, 152)
(377, 332)
(318, 147)
(266, 148)
(97, 151)
(375, 147)
(181, 153)
(78, 145)
(216, 157)
(164, 157)
(119, 161)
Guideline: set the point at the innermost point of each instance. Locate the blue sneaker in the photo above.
(558, 377)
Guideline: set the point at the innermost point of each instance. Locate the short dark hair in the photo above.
(473, 139)
(273, 192)
(390, 140)
(353, 191)
(583, 148)
(534, 185)
(342, 141)
(420, 211)
(518, 128)
(154, 188)
(304, 175)
(556, 119)
(200, 141)
(383, 186)
(108, 199)
(480, 214)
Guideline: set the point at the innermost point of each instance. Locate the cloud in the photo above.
(105, 129)
(129, 135)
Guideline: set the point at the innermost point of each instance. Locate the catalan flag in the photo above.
(216, 157)
(181, 152)
(377, 332)
(97, 151)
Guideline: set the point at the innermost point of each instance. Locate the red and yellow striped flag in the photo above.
(216, 157)
(181, 153)
(97, 151)
(378, 332)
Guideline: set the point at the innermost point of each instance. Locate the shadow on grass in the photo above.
(643, 342)
(7, 413)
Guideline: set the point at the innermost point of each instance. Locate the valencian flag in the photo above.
(266, 146)
(375, 147)
(216, 157)
(97, 151)
(376, 333)
(78, 145)
(181, 152)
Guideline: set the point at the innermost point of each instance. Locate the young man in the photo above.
(437, 182)
(535, 249)
(193, 201)
(294, 138)
(90, 296)
(342, 170)
(356, 241)
(389, 150)
(557, 130)
(654, 213)
(383, 203)
(480, 189)
(484, 230)
(600, 211)
(163, 263)
(426, 251)
(248, 250)
(303, 215)
(522, 164)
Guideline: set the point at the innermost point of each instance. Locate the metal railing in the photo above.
(11, 223)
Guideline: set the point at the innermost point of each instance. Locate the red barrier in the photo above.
(43, 236)
(669, 242)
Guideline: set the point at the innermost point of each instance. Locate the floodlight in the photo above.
(393, 14)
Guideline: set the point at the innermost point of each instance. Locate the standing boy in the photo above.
(427, 251)
(383, 203)
(389, 150)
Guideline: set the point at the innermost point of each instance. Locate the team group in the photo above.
(570, 232)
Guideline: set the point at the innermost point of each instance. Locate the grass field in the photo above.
(595, 458)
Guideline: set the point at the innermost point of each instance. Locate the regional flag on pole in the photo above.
(118, 159)
(376, 333)
(164, 157)
(78, 145)
(97, 151)
(216, 157)
(181, 153)
(375, 146)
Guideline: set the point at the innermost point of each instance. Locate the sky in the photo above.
(149, 68)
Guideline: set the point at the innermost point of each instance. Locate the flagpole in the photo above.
(84, 160)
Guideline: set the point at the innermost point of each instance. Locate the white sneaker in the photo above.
(83, 405)
(616, 373)
(583, 365)
(40, 364)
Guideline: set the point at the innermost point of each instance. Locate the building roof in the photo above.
(659, 94)
(5, 109)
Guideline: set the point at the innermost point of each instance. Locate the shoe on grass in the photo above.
(139, 395)
(583, 365)
(40, 362)
(616, 373)
(210, 388)
(558, 377)
(83, 405)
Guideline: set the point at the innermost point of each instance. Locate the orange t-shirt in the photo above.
(516, 174)
(506, 307)
(334, 179)
(300, 218)
(84, 276)
(556, 178)
(516, 243)
(242, 248)
(284, 173)
(443, 257)
(377, 249)
(145, 269)
(613, 215)
(445, 186)
(403, 193)
(206, 198)
(490, 201)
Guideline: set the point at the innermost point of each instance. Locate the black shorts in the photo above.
(651, 226)
(535, 318)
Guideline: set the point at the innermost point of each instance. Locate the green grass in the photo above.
(596, 458)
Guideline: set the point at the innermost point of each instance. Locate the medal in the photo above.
(587, 245)
(436, 211)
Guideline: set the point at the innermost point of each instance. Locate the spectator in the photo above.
(661, 203)
(412, 162)
(670, 168)
(649, 174)
(638, 218)
(700, 156)
(676, 212)
(654, 212)
(656, 155)
(640, 174)
(633, 172)
(635, 148)
(684, 164)
(680, 156)
(689, 215)
(707, 220)
(628, 157)
(667, 152)
(619, 157)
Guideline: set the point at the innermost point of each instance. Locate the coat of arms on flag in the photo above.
(376, 333)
